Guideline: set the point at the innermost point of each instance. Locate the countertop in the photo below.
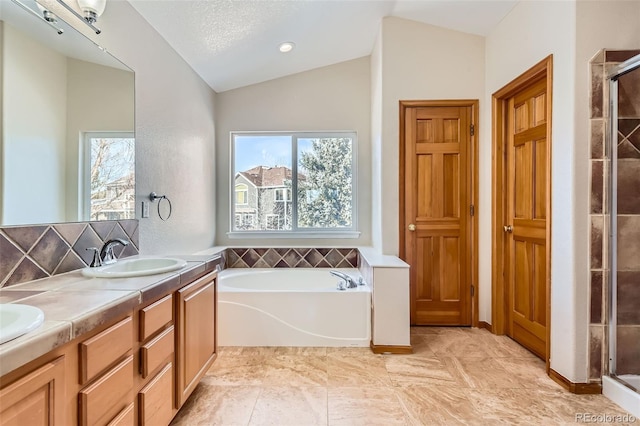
(74, 305)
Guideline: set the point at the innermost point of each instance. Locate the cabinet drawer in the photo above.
(106, 397)
(104, 349)
(155, 316)
(126, 417)
(155, 401)
(156, 351)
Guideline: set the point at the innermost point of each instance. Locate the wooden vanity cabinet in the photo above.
(196, 333)
(37, 398)
(137, 370)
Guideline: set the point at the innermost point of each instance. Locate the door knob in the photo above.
(412, 227)
(508, 228)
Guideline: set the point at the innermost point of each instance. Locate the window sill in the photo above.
(248, 235)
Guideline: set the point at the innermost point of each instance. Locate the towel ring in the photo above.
(153, 196)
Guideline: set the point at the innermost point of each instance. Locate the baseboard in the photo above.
(577, 388)
(485, 325)
(391, 349)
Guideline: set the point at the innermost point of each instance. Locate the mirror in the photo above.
(67, 130)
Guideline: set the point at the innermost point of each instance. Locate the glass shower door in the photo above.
(624, 220)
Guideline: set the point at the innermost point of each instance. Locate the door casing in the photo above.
(473, 103)
(499, 302)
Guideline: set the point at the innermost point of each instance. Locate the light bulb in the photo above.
(46, 14)
(92, 9)
(286, 47)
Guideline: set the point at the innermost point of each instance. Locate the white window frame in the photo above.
(337, 233)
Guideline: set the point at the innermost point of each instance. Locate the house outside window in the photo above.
(294, 183)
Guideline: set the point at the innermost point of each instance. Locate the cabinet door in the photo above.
(196, 340)
(36, 399)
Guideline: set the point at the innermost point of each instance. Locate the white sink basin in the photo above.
(135, 267)
(16, 320)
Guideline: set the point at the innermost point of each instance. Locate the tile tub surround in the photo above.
(455, 376)
(32, 252)
(292, 257)
(628, 205)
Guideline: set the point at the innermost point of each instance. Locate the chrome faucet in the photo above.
(105, 255)
(106, 252)
(350, 282)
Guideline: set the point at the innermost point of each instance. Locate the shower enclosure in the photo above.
(622, 162)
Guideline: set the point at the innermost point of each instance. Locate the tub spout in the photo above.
(350, 282)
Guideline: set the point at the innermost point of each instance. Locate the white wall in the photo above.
(336, 97)
(376, 144)
(419, 62)
(99, 99)
(175, 131)
(532, 31)
(34, 97)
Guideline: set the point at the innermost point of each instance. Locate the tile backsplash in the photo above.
(292, 258)
(31, 252)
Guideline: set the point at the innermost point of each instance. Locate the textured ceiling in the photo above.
(234, 43)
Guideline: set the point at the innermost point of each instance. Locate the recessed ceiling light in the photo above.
(287, 46)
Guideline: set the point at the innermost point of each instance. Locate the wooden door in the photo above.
(437, 232)
(525, 231)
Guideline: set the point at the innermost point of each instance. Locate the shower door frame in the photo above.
(623, 68)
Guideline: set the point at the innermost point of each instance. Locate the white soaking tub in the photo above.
(291, 307)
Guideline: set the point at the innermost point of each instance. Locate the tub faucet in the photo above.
(106, 252)
(351, 283)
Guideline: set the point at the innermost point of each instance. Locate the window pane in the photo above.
(112, 178)
(325, 186)
(263, 164)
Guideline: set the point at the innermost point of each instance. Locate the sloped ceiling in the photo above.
(234, 43)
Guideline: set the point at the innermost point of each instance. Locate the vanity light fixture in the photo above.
(287, 46)
(92, 9)
(48, 17)
(47, 14)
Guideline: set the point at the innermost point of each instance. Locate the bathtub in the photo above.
(291, 307)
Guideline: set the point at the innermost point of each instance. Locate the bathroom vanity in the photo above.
(123, 351)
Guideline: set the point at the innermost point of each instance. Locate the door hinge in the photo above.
(473, 129)
(472, 210)
(473, 291)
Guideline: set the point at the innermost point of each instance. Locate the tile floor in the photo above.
(454, 376)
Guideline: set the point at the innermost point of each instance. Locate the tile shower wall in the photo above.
(292, 258)
(628, 205)
(32, 252)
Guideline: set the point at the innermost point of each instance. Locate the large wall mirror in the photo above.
(67, 131)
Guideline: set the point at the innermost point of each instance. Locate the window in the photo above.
(301, 182)
(242, 191)
(282, 194)
(273, 221)
(108, 183)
